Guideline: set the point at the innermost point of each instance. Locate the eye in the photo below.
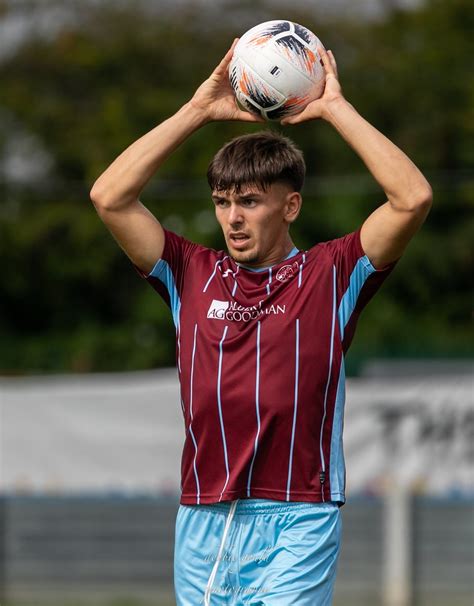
(220, 202)
(249, 202)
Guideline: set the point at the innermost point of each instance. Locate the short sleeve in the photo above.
(169, 273)
(356, 281)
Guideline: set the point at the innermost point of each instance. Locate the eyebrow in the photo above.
(239, 196)
(250, 194)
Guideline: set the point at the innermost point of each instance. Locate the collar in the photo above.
(292, 253)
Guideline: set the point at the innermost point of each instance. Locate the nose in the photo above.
(235, 216)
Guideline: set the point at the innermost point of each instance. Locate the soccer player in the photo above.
(261, 333)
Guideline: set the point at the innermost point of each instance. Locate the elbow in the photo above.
(97, 195)
(103, 198)
(420, 200)
(424, 201)
(425, 197)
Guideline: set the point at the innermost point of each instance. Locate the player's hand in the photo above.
(332, 92)
(215, 97)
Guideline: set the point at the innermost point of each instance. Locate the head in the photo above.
(256, 182)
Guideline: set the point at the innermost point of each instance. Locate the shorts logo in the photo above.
(217, 309)
(233, 312)
(287, 271)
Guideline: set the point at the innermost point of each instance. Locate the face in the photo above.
(255, 222)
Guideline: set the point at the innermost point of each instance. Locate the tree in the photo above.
(69, 297)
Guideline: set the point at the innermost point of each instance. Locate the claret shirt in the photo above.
(260, 358)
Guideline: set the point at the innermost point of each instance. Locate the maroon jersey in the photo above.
(260, 356)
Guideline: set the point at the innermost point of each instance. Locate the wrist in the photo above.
(334, 107)
(197, 115)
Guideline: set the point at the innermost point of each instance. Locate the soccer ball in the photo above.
(275, 70)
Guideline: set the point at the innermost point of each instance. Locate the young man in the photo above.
(261, 334)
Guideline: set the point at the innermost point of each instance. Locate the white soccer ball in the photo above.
(276, 70)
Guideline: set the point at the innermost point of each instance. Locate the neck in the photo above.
(274, 258)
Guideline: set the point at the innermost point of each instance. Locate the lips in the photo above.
(238, 238)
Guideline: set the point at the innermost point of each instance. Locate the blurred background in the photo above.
(90, 424)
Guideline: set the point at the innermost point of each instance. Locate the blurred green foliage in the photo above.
(70, 300)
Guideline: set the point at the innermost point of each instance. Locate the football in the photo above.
(275, 70)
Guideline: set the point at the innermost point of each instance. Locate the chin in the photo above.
(246, 257)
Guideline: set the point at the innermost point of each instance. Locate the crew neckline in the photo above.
(294, 251)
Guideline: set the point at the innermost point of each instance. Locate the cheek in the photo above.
(219, 218)
(271, 227)
(265, 236)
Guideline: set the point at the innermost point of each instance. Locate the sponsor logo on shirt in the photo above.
(233, 312)
(287, 271)
(217, 309)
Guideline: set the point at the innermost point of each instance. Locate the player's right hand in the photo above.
(320, 108)
(215, 97)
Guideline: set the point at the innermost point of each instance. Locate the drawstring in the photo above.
(230, 515)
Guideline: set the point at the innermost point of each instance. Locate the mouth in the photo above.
(238, 239)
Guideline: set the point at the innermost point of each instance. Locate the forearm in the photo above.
(122, 182)
(405, 186)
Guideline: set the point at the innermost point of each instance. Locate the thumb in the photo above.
(295, 119)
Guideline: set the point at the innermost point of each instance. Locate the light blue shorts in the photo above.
(256, 552)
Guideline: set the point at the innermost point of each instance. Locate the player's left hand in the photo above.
(332, 92)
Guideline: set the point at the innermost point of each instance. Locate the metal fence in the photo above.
(74, 550)
(76, 439)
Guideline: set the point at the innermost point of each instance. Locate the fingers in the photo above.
(333, 62)
(329, 62)
(295, 119)
(221, 69)
(248, 117)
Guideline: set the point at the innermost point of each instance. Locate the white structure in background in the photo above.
(124, 432)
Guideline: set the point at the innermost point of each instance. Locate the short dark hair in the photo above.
(259, 159)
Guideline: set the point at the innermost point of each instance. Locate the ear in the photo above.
(292, 206)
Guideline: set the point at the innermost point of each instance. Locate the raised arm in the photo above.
(116, 192)
(387, 231)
